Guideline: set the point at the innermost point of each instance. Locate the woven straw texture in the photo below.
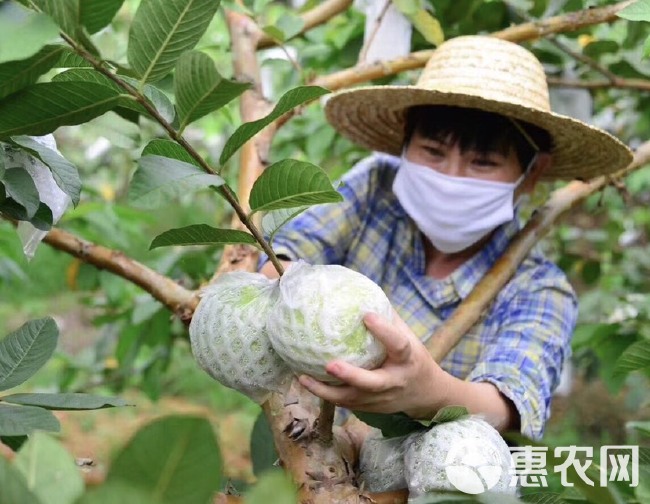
(488, 74)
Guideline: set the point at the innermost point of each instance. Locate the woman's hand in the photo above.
(409, 380)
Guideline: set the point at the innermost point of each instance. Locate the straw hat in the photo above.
(484, 73)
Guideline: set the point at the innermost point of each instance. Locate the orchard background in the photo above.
(122, 81)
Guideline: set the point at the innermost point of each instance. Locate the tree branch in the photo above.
(560, 202)
(318, 15)
(639, 84)
(520, 33)
(179, 300)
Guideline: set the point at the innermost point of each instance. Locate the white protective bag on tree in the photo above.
(391, 39)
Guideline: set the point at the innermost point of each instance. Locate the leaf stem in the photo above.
(175, 135)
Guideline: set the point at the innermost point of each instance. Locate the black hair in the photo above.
(476, 130)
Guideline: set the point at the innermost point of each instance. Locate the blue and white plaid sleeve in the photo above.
(322, 234)
(525, 360)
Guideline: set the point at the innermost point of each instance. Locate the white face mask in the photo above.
(453, 212)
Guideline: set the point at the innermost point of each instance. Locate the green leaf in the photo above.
(15, 75)
(42, 219)
(96, 15)
(167, 148)
(155, 96)
(39, 109)
(289, 100)
(274, 483)
(50, 471)
(199, 89)
(449, 414)
(642, 426)
(638, 11)
(117, 492)
(543, 498)
(64, 172)
(24, 351)
(646, 48)
(636, 356)
(201, 234)
(20, 187)
(175, 459)
(159, 179)
(162, 30)
(65, 401)
(23, 33)
(13, 487)
(391, 425)
(14, 442)
(262, 449)
(70, 59)
(428, 26)
(290, 183)
(275, 219)
(23, 420)
(66, 14)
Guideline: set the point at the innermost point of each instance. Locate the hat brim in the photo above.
(374, 117)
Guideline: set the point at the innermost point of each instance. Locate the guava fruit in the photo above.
(466, 454)
(229, 339)
(318, 318)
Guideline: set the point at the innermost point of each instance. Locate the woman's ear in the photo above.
(541, 166)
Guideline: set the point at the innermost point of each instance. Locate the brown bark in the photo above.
(179, 300)
(638, 84)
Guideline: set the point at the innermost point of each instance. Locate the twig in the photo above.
(519, 33)
(318, 15)
(640, 84)
(224, 190)
(325, 422)
(560, 202)
(178, 299)
(373, 34)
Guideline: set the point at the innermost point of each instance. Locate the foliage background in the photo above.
(117, 339)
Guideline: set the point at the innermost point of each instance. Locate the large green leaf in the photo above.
(289, 100)
(118, 492)
(637, 11)
(167, 148)
(263, 452)
(22, 420)
(159, 179)
(23, 33)
(155, 96)
(391, 425)
(64, 172)
(20, 187)
(636, 356)
(25, 350)
(65, 401)
(162, 30)
(42, 219)
(15, 75)
(14, 442)
(50, 470)
(449, 414)
(201, 234)
(290, 183)
(199, 89)
(175, 459)
(96, 15)
(66, 13)
(13, 487)
(41, 108)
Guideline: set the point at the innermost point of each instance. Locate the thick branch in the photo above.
(561, 201)
(178, 299)
(318, 15)
(639, 84)
(520, 33)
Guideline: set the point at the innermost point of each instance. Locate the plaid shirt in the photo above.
(519, 345)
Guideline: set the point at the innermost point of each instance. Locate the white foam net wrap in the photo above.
(229, 339)
(319, 318)
(467, 455)
(381, 463)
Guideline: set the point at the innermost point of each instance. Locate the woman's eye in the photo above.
(485, 162)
